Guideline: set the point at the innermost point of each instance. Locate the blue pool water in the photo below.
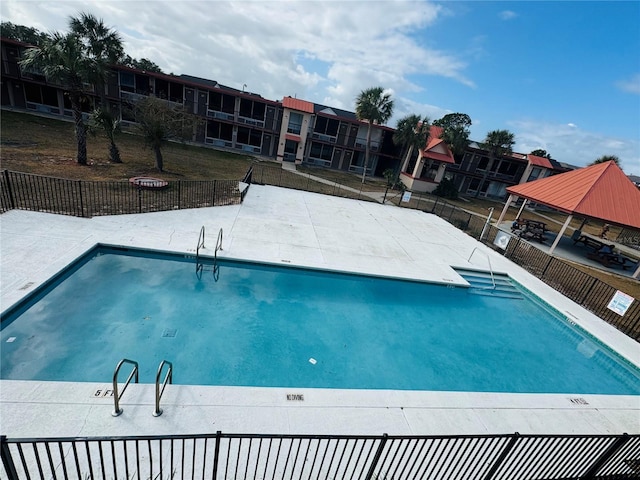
(276, 326)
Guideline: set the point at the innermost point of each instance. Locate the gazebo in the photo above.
(601, 191)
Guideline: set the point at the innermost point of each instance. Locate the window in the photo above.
(535, 173)
(249, 136)
(295, 123)
(326, 126)
(321, 151)
(482, 165)
(290, 147)
(127, 82)
(219, 130)
(220, 102)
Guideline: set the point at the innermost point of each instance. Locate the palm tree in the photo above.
(101, 43)
(412, 133)
(606, 158)
(103, 119)
(455, 132)
(73, 60)
(498, 143)
(372, 106)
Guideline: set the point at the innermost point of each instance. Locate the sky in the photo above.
(563, 76)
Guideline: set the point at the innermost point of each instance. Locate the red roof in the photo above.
(435, 140)
(539, 161)
(600, 191)
(297, 104)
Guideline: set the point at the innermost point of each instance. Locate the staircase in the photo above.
(482, 284)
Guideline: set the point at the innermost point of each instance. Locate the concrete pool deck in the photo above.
(290, 227)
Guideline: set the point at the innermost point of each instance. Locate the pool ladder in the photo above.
(493, 280)
(199, 264)
(117, 410)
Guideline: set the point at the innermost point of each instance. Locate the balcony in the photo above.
(251, 121)
(131, 97)
(323, 137)
(220, 115)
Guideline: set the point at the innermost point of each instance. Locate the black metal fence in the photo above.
(84, 198)
(251, 456)
(279, 177)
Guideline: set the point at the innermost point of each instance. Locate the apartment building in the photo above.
(287, 130)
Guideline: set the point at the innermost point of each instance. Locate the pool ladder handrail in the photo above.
(116, 397)
(200, 244)
(168, 378)
(199, 264)
(493, 280)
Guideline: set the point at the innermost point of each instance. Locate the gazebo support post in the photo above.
(636, 274)
(559, 236)
(504, 210)
(524, 202)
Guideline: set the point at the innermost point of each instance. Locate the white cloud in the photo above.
(508, 14)
(325, 52)
(631, 85)
(568, 143)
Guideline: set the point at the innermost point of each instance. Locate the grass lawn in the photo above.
(46, 146)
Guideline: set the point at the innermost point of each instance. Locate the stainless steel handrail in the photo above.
(168, 377)
(493, 280)
(199, 266)
(116, 397)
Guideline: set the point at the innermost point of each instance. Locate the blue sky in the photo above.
(563, 76)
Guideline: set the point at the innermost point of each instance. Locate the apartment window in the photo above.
(127, 82)
(220, 102)
(176, 92)
(222, 131)
(508, 168)
(295, 123)
(318, 150)
(482, 165)
(535, 173)
(326, 126)
(290, 147)
(249, 136)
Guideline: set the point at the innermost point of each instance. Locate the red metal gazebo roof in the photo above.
(600, 191)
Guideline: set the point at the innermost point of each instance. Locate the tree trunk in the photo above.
(366, 152)
(114, 153)
(81, 129)
(159, 161)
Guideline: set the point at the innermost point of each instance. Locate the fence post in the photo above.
(280, 181)
(214, 193)
(262, 176)
(7, 459)
(418, 204)
(139, 199)
(544, 270)
(8, 182)
(608, 453)
(80, 195)
(376, 457)
(502, 457)
(216, 456)
(588, 292)
(179, 193)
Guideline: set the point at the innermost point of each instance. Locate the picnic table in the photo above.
(606, 256)
(530, 229)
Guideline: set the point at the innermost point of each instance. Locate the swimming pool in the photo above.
(263, 325)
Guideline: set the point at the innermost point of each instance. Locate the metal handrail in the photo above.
(116, 397)
(493, 280)
(168, 377)
(199, 266)
(215, 255)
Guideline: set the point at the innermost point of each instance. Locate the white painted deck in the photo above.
(297, 228)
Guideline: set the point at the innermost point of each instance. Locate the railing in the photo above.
(116, 397)
(493, 280)
(368, 457)
(82, 198)
(199, 264)
(168, 378)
